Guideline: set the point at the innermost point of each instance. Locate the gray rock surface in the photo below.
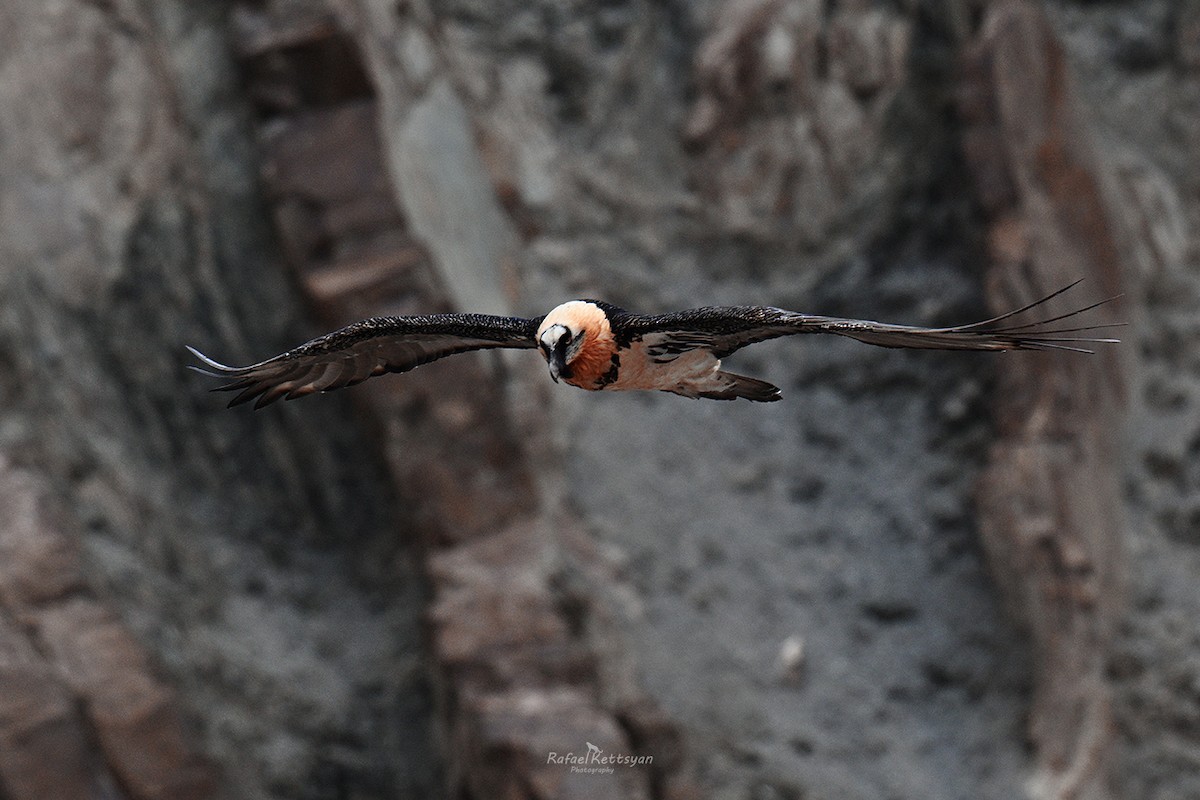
(840, 517)
(280, 606)
(799, 586)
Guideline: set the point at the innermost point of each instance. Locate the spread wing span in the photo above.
(724, 330)
(365, 349)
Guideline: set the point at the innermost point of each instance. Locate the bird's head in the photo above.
(567, 337)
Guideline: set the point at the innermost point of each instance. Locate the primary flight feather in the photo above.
(598, 346)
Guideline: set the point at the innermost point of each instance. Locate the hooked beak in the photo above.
(558, 364)
(554, 343)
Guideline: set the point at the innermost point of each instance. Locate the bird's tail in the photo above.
(734, 386)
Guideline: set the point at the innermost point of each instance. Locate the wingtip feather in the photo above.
(208, 361)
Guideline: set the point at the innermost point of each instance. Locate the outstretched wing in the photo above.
(724, 330)
(365, 349)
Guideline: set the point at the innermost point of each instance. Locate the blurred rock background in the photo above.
(920, 575)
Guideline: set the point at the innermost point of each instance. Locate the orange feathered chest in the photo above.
(596, 359)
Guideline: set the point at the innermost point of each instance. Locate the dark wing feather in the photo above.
(371, 347)
(727, 329)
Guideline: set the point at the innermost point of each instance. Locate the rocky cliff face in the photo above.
(920, 575)
(258, 563)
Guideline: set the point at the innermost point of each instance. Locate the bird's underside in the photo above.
(597, 346)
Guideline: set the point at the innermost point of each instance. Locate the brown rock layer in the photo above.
(516, 673)
(71, 674)
(1050, 499)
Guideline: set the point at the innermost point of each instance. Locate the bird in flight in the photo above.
(597, 346)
